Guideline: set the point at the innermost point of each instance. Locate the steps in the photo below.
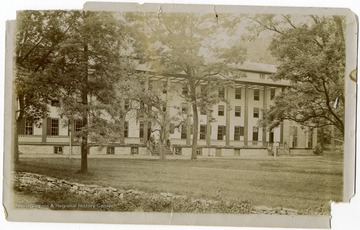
(167, 150)
(283, 152)
(280, 152)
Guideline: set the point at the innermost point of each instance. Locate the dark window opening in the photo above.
(55, 103)
(255, 133)
(110, 150)
(183, 132)
(222, 93)
(184, 107)
(237, 93)
(203, 90)
(126, 129)
(237, 111)
(221, 132)
(172, 128)
(54, 127)
(58, 150)
(238, 132)
(134, 150)
(295, 136)
(256, 94)
(271, 139)
(78, 125)
(127, 104)
(272, 94)
(185, 90)
(29, 127)
(221, 110)
(256, 112)
(202, 132)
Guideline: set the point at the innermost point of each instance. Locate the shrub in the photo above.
(318, 149)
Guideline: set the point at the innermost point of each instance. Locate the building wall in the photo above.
(174, 105)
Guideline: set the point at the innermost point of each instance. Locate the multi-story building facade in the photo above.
(232, 128)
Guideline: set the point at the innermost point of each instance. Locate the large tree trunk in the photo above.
(195, 121)
(16, 141)
(195, 132)
(84, 138)
(85, 112)
(122, 123)
(122, 130)
(161, 144)
(17, 124)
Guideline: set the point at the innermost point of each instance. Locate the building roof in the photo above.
(245, 67)
(258, 67)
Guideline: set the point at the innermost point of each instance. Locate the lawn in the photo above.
(299, 183)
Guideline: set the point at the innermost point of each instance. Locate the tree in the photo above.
(311, 56)
(189, 46)
(79, 66)
(39, 34)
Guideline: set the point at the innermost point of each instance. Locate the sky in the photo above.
(345, 216)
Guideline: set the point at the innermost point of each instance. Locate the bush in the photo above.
(318, 149)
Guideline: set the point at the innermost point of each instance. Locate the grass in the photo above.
(300, 183)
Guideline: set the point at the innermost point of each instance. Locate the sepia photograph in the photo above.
(172, 111)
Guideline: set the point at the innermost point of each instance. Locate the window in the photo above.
(222, 93)
(58, 149)
(177, 150)
(172, 128)
(237, 93)
(221, 109)
(295, 135)
(185, 90)
(256, 112)
(55, 103)
(78, 125)
(141, 130)
(183, 132)
(242, 131)
(272, 94)
(126, 129)
(202, 110)
(134, 150)
(164, 87)
(203, 90)
(238, 132)
(262, 76)
(271, 139)
(140, 111)
(184, 107)
(237, 111)
(256, 94)
(199, 151)
(310, 139)
(54, 127)
(255, 133)
(29, 127)
(202, 132)
(127, 104)
(150, 86)
(110, 150)
(221, 132)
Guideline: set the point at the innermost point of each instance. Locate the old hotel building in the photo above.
(234, 132)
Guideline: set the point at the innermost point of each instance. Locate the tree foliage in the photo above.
(75, 57)
(191, 46)
(311, 55)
